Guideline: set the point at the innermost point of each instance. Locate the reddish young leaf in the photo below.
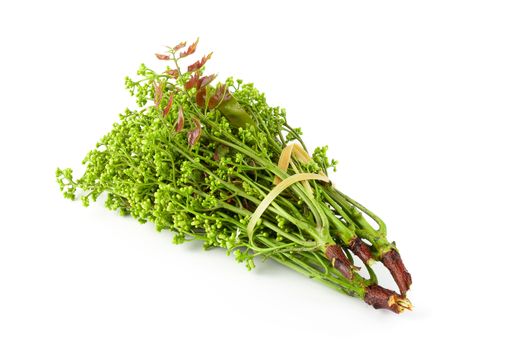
(193, 82)
(157, 93)
(179, 46)
(198, 65)
(214, 101)
(173, 73)
(206, 80)
(180, 120)
(191, 49)
(221, 94)
(200, 98)
(196, 81)
(162, 57)
(168, 106)
(195, 134)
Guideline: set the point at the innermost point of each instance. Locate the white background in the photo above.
(421, 102)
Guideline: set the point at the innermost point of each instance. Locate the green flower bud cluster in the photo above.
(321, 159)
(65, 181)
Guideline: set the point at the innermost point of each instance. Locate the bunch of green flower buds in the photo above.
(214, 162)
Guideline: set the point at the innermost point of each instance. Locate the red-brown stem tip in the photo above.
(338, 259)
(392, 261)
(382, 298)
(361, 250)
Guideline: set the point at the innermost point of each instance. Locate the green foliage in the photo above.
(203, 182)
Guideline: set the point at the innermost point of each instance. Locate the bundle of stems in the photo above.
(214, 162)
